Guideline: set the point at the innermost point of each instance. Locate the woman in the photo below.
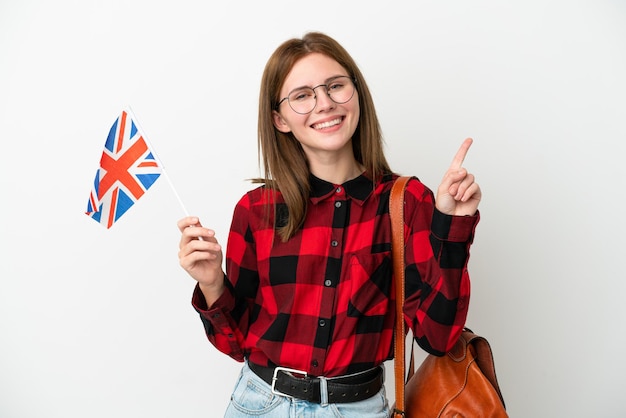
(306, 300)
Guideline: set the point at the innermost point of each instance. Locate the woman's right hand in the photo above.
(201, 256)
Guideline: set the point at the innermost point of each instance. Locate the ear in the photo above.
(280, 123)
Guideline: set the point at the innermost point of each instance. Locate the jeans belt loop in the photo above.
(323, 391)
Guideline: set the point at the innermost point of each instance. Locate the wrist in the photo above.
(213, 291)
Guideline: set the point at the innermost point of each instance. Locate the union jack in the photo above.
(127, 170)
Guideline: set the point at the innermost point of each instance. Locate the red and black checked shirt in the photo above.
(322, 302)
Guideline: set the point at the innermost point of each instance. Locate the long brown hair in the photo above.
(284, 161)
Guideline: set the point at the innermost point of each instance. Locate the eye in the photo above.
(336, 85)
(301, 95)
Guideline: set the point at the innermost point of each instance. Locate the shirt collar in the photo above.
(358, 189)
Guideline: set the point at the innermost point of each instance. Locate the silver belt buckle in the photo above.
(275, 378)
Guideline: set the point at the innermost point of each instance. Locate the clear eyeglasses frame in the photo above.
(303, 100)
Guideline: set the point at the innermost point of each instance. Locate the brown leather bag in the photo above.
(460, 384)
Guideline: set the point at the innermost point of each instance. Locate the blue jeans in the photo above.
(253, 397)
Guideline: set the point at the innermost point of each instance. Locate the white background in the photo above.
(98, 323)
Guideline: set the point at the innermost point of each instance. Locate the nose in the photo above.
(323, 100)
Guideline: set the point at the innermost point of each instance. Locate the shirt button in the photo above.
(337, 204)
(338, 190)
(314, 363)
(322, 323)
(328, 283)
(334, 243)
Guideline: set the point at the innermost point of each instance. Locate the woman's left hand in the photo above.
(458, 194)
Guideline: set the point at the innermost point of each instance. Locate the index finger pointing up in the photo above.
(457, 161)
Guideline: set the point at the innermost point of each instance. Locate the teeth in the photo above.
(327, 124)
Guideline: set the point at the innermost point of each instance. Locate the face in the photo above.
(328, 129)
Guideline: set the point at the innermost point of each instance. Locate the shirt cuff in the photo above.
(454, 228)
(215, 314)
(225, 302)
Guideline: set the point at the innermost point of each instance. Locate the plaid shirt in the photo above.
(322, 302)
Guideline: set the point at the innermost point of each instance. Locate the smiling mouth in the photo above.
(327, 124)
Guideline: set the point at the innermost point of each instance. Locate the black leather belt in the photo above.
(342, 389)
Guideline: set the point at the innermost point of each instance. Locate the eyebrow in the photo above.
(325, 82)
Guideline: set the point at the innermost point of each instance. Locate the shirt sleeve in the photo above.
(226, 321)
(437, 283)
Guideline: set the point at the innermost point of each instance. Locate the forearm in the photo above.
(438, 285)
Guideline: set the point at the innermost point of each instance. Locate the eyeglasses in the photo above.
(303, 100)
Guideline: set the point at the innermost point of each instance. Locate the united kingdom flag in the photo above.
(127, 170)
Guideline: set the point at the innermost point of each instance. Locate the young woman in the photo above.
(306, 301)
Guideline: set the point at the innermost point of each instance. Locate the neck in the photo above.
(337, 172)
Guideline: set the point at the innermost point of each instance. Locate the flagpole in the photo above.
(155, 155)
